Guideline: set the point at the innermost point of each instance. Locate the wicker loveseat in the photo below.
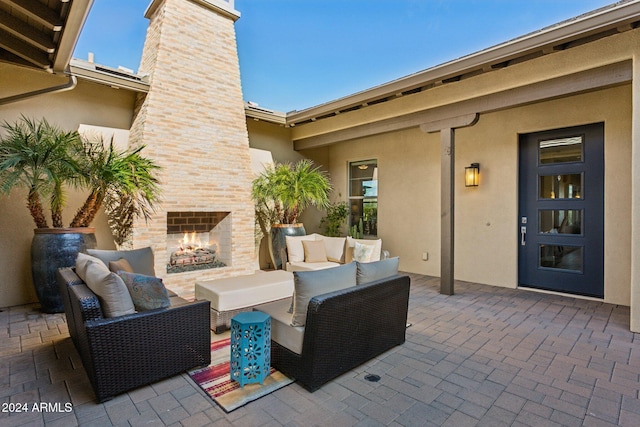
(343, 329)
(129, 351)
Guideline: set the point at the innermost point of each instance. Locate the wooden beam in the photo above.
(452, 123)
(447, 210)
(24, 50)
(39, 12)
(26, 32)
(580, 82)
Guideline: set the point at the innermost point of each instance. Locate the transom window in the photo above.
(363, 196)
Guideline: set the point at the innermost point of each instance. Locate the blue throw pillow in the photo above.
(371, 271)
(147, 292)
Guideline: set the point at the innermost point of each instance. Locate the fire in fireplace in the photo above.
(190, 247)
(193, 254)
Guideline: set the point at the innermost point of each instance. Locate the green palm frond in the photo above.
(36, 155)
(124, 178)
(287, 189)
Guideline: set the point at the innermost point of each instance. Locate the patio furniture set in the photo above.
(322, 322)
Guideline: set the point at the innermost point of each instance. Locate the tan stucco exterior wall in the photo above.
(486, 217)
(88, 103)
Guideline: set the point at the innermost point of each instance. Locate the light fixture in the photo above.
(363, 167)
(471, 173)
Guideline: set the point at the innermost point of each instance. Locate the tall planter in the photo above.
(51, 249)
(278, 242)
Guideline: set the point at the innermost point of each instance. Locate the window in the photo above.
(363, 196)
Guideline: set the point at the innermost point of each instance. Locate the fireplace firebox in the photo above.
(198, 240)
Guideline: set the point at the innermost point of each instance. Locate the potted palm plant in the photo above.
(47, 161)
(281, 193)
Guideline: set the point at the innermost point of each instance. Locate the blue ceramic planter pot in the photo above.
(51, 249)
(278, 242)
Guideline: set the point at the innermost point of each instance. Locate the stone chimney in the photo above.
(192, 123)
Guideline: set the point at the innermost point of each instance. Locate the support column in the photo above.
(635, 196)
(447, 190)
(447, 214)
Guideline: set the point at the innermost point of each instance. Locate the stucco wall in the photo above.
(408, 192)
(486, 217)
(88, 103)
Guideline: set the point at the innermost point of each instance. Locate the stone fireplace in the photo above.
(192, 123)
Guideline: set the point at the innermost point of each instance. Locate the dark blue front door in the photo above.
(561, 210)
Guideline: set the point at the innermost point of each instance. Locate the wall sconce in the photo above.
(471, 173)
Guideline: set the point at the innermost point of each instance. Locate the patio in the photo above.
(487, 356)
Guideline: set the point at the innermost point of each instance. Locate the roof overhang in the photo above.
(618, 17)
(117, 78)
(255, 112)
(41, 35)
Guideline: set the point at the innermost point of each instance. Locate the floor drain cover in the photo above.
(373, 378)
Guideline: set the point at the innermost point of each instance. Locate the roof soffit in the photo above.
(41, 34)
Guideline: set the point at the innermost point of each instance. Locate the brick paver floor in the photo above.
(486, 356)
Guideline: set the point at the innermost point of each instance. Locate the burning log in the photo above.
(192, 254)
(192, 257)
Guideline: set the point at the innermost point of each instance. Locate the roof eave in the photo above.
(262, 114)
(107, 76)
(611, 17)
(75, 21)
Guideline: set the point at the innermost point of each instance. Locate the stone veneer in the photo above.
(192, 122)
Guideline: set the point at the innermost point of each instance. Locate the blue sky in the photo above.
(296, 54)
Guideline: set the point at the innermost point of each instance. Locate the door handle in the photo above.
(523, 235)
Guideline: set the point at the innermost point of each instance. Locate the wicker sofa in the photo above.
(343, 329)
(129, 351)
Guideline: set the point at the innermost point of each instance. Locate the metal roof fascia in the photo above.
(71, 32)
(263, 114)
(87, 72)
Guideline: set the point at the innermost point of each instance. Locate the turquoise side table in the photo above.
(250, 347)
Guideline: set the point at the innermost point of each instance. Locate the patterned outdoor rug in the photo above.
(215, 380)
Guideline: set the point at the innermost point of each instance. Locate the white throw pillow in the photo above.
(351, 243)
(362, 252)
(113, 294)
(295, 250)
(334, 247)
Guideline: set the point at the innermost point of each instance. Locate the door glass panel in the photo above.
(561, 257)
(561, 150)
(561, 186)
(566, 221)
